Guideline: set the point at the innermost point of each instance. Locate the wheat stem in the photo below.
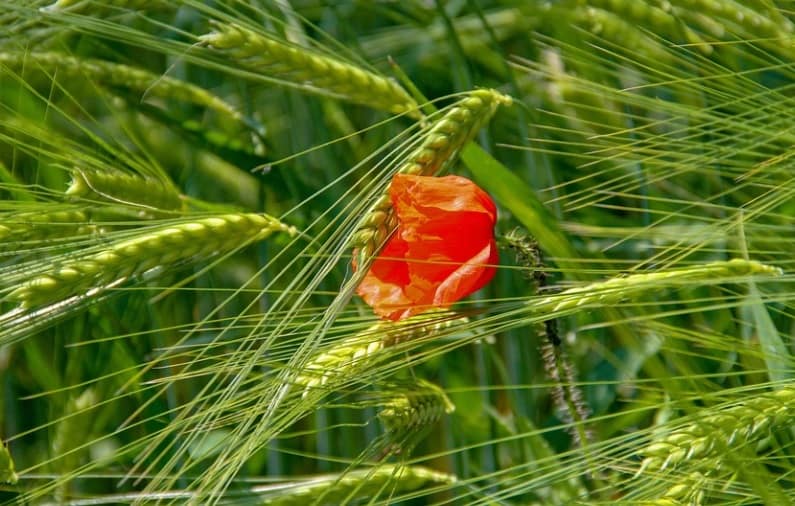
(159, 247)
(305, 67)
(417, 406)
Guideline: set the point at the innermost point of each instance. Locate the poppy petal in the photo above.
(443, 248)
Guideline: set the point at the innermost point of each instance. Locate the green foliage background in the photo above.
(645, 137)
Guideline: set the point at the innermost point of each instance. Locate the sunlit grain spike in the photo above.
(716, 429)
(124, 188)
(415, 407)
(304, 67)
(365, 484)
(348, 358)
(89, 7)
(619, 288)
(104, 73)
(162, 246)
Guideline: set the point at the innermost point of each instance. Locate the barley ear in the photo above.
(437, 149)
(716, 430)
(33, 226)
(308, 69)
(414, 407)
(120, 76)
(366, 484)
(120, 187)
(615, 289)
(161, 246)
(344, 361)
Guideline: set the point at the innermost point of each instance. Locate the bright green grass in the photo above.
(647, 149)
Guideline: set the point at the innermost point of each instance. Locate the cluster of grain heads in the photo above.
(387, 480)
(132, 80)
(278, 60)
(608, 26)
(346, 359)
(414, 407)
(124, 188)
(688, 490)
(437, 149)
(717, 430)
(148, 248)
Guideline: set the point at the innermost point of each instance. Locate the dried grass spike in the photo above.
(751, 21)
(305, 67)
(153, 247)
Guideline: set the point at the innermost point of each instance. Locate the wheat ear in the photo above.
(119, 75)
(416, 406)
(613, 27)
(31, 226)
(305, 67)
(438, 149)
(750, 20)
(120, 187)
(347, 359)
(153, 247)
(618, 288)
(654, 18)
(717, 429)
(358, 484)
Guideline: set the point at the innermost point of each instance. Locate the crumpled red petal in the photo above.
(442, 250)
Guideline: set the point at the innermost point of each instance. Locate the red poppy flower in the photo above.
(443, 248)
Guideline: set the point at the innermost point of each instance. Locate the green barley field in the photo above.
(481, 252)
